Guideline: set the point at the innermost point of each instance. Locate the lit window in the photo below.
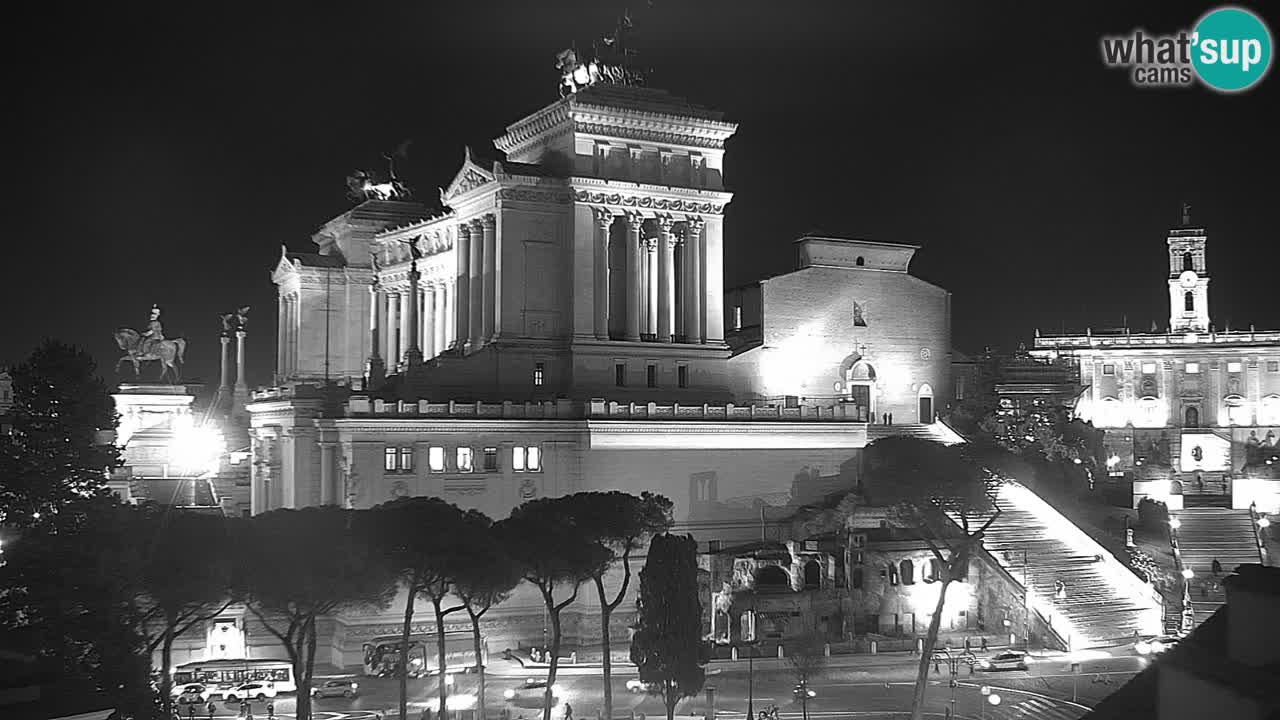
(1108, 369)
(1233, 367)
(490, 459)
(517, 459)
(389, 460)
(651, 376)
(1188, 302)
(534, 459)
(526, 459)
(435, 458)
(1151, 412)
(464, 459)
(1269, 410)
(1193, 368)
(1148, 368)
(406, 459)
(737, 317)
(1238, 411)
(907, 569)
(682, 376)
(538, 371)
(620, 374)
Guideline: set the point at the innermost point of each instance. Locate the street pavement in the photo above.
(861, 686)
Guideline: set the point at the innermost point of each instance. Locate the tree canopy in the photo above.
(668, 648)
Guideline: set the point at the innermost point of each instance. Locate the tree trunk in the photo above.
(166, 661)
(404, 651)
(606, 611)
(926, 652)
(555, 657)
(304, 687)
(303, 711)
(475, 637)
(440, 659)
(670, 698)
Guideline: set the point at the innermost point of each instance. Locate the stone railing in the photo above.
(600, 408)
(1046, 342)
(362, 405)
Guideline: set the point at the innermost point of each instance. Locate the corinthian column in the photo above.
(475, 268)
(635, 296)
(651, 286)
(441, 314)
(489, 227)
(376, 370)
(328, 491)
(693, 328)
(666, 279)
(429, 318)
(393, 328)
(412, 353)
(461, 319)
(604, 220)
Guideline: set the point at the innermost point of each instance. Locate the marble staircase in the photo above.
(1207, 534)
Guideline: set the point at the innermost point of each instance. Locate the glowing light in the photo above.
(1113, 461)
(195, 449)
(1175, 523)
(509, 694)
(993, 698)
(455, 702)
(1077, 461)
(1264, 522)
(448, 680)
(1188, 573)
(557, 690)
(985, 690)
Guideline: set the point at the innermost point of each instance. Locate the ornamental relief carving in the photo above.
(648, 203)
(547, 196)
(468, 182)
(655, 136)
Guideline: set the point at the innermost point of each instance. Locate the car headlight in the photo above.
(355, 686)
(508, 694)
(984, 664)
(1143, 648)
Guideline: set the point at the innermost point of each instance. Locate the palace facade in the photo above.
(1194, 410)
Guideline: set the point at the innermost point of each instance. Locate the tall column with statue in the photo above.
(412, 353)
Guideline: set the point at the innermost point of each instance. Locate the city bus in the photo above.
(382, 654)
(222, 675)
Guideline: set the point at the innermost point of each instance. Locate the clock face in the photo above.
(925, 353)
(1188, 278)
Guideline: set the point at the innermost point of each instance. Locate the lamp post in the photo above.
(953, 665)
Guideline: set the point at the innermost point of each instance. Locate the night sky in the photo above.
(163, 153)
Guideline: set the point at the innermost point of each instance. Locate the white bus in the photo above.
(382, 654)
(221, 675)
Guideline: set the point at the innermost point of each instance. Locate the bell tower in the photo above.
(1188, 277)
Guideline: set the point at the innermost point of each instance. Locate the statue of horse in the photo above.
(166, 351)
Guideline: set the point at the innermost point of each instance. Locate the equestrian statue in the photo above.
(151, 345)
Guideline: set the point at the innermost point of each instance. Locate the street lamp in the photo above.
(953, 664)
(1175, 523)
(1264, 522)
(1188, 573)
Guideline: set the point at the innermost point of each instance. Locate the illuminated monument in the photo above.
(1193, 411)
(560, 325)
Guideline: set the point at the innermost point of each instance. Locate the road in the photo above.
(851, 687)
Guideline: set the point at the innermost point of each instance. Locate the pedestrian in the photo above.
(271, 710)
(426, 713)
(890, 418)
(984, 644)
(244, 708)
(884, 418)
(568, 711)
(1217, 567)
(967, 647)
(937, 669)
(212, 709)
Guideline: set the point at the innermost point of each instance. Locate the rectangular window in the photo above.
(1148, 368)
(1108, 369)
(1233, 367)
(406, 459)
(538, 371)
(1193, 368)
(490, 459)
(517, 459)
(389, 460)
(435, 458)
(1273, 366)
(464, 459)
(651, 376)
(959, 387)
(737, 317)
(620, 374)
(533, 458)
(526, 459)
(682, 376)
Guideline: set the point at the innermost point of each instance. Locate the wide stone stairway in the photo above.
(1207, 534)
(1104, 603)
(934, 431)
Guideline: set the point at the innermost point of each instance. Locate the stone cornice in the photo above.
(729, 435)
(532, 127)
(379, 426)
(656, 198)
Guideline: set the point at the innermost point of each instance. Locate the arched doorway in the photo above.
(1191, 417)
(924, 401)
(860, 380)
(772, 578)
(812, 575)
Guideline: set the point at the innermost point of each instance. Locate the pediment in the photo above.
(469, 177)
(284, 267)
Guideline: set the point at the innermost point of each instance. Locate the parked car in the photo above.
(1004, 661)
(1156, 645)
(192, 693)
(531, 692)
(635, 685)
(256, 690)
(336, 688)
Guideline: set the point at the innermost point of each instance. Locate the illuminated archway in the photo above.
(860, 384)
(1111, 413)
(924, 403)
(1238, 410)
(1150, 413)
(1269, 410)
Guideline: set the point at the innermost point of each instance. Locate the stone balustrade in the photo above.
(1050, 342)
(362, 405)
(597, 408)
(600, 408)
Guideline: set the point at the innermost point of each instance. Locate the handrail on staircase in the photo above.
(1255, 520)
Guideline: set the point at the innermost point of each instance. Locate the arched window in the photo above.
(1112, 413)
(1191, 417)
(812, 575)
(908, 572)
(1238, 412)
(860, 262)
(1188, 262)
(1150, 413)
(772, 577)
(1188, 301)
(1269, 410)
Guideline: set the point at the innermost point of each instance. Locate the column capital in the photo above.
(635, 221)
(694, 223)
(464, 229)
(665, 223)
(604, 217)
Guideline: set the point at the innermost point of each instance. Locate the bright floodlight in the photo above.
(993, 698)
(195, 448)
(1188, 573)
(1264, 522)
(1175, 523)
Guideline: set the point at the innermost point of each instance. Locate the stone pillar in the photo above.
(489, 227)
(376, 370)
(393, 328)
(604, 221)
(329, 494)
(666, 279)
(475, 268)
(224, 383)
(693, 327)
(281, 336)
(242, 385)
(713, 279)
(462, 320)
(291, 336)
(412, 351)
(428, 306)
(634, 290)
(441, 315)
(651, 286)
